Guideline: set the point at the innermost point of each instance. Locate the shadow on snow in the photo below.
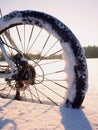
(5, 122)
(74, 119)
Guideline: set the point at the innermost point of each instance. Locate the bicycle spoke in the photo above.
(55, 53)
(37, 94)
(32, 94)
(44, 46)
(57, 83)
(59, 71)
(50, 62)
(24, 39)
(53, 81)
(34, 40)
(19, 37)
(48, 57)
(44, 56)
(50, 48)
(31, 33)
(47, 97)
(9, 91)
(52, 90)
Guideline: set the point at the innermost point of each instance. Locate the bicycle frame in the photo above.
(7, 58)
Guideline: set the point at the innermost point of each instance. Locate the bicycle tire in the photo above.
(72, 50)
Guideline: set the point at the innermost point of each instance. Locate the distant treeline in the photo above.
(90, 52)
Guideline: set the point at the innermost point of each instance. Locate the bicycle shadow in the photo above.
(74, 119)
(4, 122)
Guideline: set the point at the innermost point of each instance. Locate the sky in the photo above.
(81, 16)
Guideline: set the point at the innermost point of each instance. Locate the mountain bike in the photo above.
(41, 60)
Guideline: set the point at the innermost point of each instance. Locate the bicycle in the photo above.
(32, 44)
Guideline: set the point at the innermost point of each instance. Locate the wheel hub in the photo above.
(26, 73)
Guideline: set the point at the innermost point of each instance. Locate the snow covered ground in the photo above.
(17, 115)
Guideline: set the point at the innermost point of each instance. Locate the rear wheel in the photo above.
(41, 40)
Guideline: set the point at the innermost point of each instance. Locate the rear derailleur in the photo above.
(25, 76)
